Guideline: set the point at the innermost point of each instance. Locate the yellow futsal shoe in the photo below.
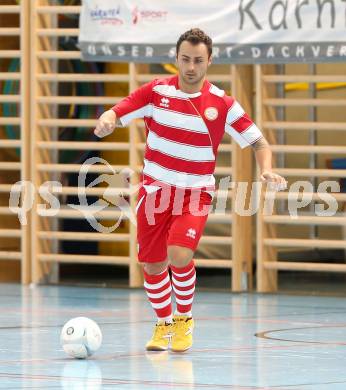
(161, 337)
(182, 333)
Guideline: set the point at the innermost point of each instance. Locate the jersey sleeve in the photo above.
(239, 125)
(137, 105)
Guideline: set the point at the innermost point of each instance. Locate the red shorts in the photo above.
(169, 216)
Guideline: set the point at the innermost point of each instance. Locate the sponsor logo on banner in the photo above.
(106, 15)
(151, 15)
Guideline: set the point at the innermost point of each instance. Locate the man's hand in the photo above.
(275, 181)
(105, 124)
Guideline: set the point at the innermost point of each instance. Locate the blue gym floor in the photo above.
(242, 341)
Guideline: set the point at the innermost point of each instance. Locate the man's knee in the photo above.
(155, 268)
(179, 256)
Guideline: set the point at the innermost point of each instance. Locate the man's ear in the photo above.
(210, 60)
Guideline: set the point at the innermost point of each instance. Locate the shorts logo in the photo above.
(211, 113)
(164, 102)
(191, 233)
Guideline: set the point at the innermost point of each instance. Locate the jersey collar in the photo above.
(205, 87)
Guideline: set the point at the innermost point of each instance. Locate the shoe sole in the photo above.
(180, 350)
(157, 349)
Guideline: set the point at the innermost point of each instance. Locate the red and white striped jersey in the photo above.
(184, 130)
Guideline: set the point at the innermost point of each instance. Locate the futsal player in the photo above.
(185, 118)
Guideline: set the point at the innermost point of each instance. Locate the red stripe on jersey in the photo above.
(242, 123)
(177, 164)
(179, 135)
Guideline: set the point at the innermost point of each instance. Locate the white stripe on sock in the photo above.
(160, 294)
(161, 305)
(185, 283)
(184, 302)
(182, 275)
(157, 285)
(184, 292)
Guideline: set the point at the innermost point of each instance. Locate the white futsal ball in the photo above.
(81, 337)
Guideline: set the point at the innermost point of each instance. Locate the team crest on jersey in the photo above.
(211, 113)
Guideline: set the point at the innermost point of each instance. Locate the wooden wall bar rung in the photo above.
(96, 100)
(10, 121)
(285, 78)
(10, 53)
(106, 214)
(83, 236)
(15, 233)
(9, 31)
(216, 240)
(80, 145)
(85, 259)
(8, 255)
(340, 197)
(10, 166)
(7, 143)
(75, 168)
(9, 75)
(304, 220)
(9, 9)
(220, 218)
(305, 243)
(224, 171)
(312, 149)
(4, 210)
(96, 191)
(304, 266)
(311, 172)
(214, 263)
(331, 126)
(83, 77)
(57, 32)
(55, 122)
(59, 55)
(10, 98)
(304, 102)
(59, 9)
(8, 188)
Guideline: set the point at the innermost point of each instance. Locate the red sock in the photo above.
(159, 289)
(184, 280)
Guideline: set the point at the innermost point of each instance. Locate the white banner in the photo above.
(243, 31)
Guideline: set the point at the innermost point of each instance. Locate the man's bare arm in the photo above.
(263, 156)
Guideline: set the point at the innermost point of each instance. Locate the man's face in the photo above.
(192, 62)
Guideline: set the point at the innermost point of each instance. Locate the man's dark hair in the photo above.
(195, 36)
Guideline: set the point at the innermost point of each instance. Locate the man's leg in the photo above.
(183, 278)
(184, 235)
(152, 254)
(158, 287)
(183, 281)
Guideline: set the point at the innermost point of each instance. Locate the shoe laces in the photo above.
(183, 325)
(162, 331)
